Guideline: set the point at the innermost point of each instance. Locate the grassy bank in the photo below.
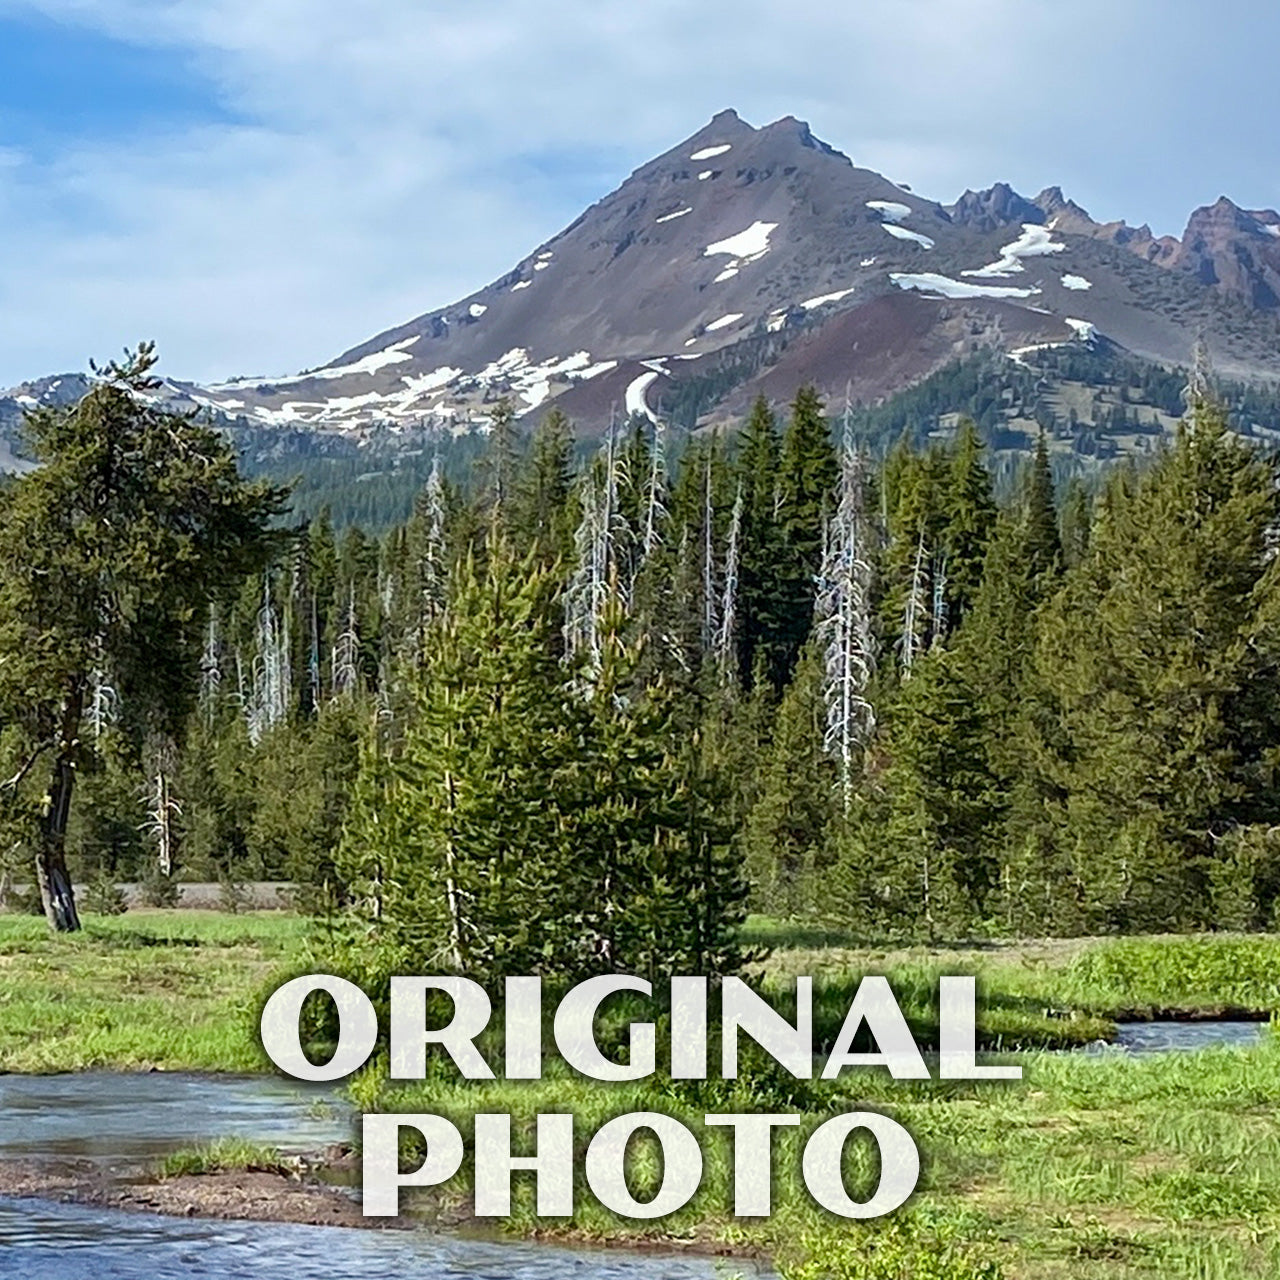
(169, 989)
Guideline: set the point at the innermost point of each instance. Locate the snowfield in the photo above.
(1085, 331)
(890, 210)
(1076, 282)
(634, 400)
(369, 364)
(705, 174)
(1034, 242)
(821, 301)
(725, 321)
(927, 282)
(476, 310)
(708, 153)
(904, 233)
(679, 213)
(424, 383)
(747, 245)
(521, 284)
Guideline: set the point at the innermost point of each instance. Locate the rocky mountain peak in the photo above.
(998, 206)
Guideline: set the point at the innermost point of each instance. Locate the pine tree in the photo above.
(541, 518)
(761, 607)
(110, 552)
(1157, 666)
(787, 838)
(970, 518)
(475, 861)
(806, 485)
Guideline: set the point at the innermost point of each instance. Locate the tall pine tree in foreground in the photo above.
(110, 553)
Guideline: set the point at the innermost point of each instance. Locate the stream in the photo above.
(44, 1241)
(1173, 1037)
(123, 1121)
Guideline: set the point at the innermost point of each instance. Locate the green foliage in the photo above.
(103, 897)
(892, 1249)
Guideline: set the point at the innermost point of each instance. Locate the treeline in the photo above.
(585, 716)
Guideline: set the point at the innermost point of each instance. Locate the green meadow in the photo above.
(1093, 1165)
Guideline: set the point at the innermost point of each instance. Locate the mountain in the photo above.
(749, 260)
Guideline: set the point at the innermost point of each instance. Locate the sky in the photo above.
(259, 185)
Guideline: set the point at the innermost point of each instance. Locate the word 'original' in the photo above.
(413, 1035)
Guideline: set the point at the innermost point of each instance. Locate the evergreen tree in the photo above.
(787, 838)
(970, 518)
(761, 620)
(477, 869)
(109, 555)
(806, 485)
(1158, 666)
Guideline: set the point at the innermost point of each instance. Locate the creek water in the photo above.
(43, 1241)
(1169, 1037)
(122, 1121)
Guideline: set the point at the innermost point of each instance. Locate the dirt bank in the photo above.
(262, 1195)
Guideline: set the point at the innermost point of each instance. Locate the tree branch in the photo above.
(12, 784)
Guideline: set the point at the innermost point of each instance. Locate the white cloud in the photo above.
(396, 154)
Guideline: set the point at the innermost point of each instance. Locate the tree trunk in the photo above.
(51, 852)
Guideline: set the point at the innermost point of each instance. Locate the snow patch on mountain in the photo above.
(476, 310)
(369, 364)
(928, 282)
(679, 213)
(905, 233)
(725, 321)
(521, 284)
(1034, 242)
(747, 245)
(1085, 331)
(709, 153)
(634, 399)
(809, 303)
(705, 174)
(424, 384)
(890, 210)
(1076, 282)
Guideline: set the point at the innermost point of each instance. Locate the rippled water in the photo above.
(1165, 1037)
(120, 1118)
(41, 1241)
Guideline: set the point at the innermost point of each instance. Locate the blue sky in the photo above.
(260, 184)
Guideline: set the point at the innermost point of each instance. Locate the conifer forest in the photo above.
(586, 710)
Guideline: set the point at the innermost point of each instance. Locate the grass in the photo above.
(225, 1155)
(1093, 1167)
(167, 989)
